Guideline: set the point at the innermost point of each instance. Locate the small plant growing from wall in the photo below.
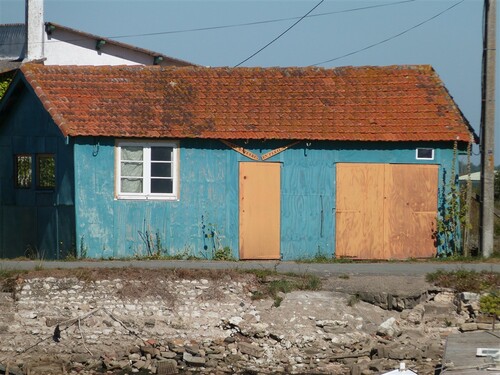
(223, 254)
(83, 248)
(212, 241)
(153, 243)
(453, 213)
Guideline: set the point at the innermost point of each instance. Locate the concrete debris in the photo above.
(210, 326)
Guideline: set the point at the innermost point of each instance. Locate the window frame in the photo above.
(38, 158)
(423, 158)
(16, 171)
(146, 194)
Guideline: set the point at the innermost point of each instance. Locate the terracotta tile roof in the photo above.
(395, 103)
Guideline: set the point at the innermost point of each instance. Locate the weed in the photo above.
(7, 274)
(83, 248)
(257, 294)
(453, 213)
(39, 266)
(223, 254)
(464, 280)
(310, 282)
(262, 274)
(490, 304)
(153, 243)
(353, 300)
(344, 276)
(277, 301)
(274, 285)
(84, 274)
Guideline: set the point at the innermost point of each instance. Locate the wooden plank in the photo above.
(410, 210)
(240, 150)
(276, 151)
(359, 213)
(259, 221)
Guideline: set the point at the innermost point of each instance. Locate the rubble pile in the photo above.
(73, 326)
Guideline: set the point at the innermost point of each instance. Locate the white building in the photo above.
(54, 44)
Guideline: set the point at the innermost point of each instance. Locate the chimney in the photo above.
(34, 30)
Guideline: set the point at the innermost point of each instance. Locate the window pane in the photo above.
(46, 171)
(161, 186)
(161, 153)
(161, 170)
(425, 153)
(131, 169)
(131, 185)
(23, 171)
(132, 153)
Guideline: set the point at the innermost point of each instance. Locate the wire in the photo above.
(390, 38)
(259, 22)
(237, 24)
(279, 36)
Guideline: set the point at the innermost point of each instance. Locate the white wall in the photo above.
(65, 48)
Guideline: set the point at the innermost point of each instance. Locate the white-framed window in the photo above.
(425, 154)
(147, 170)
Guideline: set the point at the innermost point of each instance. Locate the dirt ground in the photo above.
(351, 284)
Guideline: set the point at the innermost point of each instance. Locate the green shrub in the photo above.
(490, 304)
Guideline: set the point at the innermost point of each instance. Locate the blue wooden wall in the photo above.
(206, 215)
(34, 222)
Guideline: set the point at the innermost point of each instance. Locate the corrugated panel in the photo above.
(12, 41)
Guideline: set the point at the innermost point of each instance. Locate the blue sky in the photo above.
(431, 33)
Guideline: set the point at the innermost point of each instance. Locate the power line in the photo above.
(279, 36)
(259, 22)
(390, 38)
(254, 23)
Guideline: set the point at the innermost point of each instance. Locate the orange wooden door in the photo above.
(386, 211)
(259, 220)
(410, 210)
(359, 218)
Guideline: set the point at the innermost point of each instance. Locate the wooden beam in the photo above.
(277, 150)
(240, 150)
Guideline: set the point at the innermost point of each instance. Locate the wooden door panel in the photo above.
(410, 212)
(386, 211)
(358, 219)
(259, 219)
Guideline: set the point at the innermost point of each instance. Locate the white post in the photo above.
(34, 30)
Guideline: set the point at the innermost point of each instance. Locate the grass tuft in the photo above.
(464, 280)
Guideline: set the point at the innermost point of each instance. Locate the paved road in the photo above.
(319, 269)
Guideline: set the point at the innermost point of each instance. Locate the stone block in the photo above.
(485, 326)
(467, 327)
(134, 357)
(252, 350)
(168, 355)
(439, 309)
(191, 360)
(139, 364)
(233, 358)
(389, 328)
(146, 349)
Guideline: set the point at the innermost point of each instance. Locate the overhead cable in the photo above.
(261, 22)
(279, 36)
(391, 37)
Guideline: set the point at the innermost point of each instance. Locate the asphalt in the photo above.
(319, 269)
